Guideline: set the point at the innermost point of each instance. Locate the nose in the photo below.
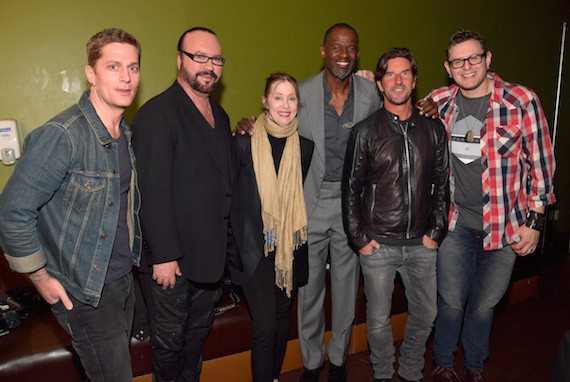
(209, 64)
(125, 75)
(398, 79)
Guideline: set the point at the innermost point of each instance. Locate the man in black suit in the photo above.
(186, 160)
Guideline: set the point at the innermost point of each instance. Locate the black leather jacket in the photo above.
(396, 179)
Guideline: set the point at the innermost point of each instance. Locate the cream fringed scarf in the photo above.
(282, 202)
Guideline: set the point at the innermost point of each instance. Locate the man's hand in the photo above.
(245, 126)
(528, 241)
(165, 274)
(429, 242)
(49, 288)
(369, 247)
(366, 74)
(428, 107)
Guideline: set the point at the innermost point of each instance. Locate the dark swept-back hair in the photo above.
(391, 53)
(462, 36)
(202, 29)
(338, 26)
(277, 77)
(96, 43)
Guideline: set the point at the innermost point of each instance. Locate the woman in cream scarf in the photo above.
(270, 229)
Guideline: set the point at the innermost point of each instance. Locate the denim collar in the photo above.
(95, 122)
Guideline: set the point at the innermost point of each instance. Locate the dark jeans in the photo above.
(269, 308)
(180, 320)
(101, 335)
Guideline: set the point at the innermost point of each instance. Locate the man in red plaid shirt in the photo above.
(502, 168)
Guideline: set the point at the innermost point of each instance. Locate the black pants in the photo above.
(269, 308)
(180, 320)
(101, 335)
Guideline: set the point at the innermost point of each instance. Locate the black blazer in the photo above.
(185, 184)
(246, 216)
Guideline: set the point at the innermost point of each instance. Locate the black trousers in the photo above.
(180, 320)
(269, 309)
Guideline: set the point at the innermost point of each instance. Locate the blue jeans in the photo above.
(417, 267)
(470, 283)
(101, 335)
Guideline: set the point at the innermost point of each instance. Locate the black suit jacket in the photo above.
(185, 184)
(246, 216)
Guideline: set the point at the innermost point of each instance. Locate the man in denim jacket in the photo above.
(70, 211)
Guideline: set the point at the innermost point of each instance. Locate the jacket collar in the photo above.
(413, 120)
(95, 122)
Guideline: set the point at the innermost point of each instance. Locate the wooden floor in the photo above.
(524, 341)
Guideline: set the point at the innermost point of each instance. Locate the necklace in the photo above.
(470, 136)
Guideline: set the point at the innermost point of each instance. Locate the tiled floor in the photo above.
(524, 340)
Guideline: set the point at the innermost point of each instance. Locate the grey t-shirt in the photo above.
(466, 160)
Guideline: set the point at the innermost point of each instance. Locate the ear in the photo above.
(415, 81)
(447, 67)
(90, 74)
(323, 51)
(379, 83)
(264, 101)
(488, 59)
(179, 61)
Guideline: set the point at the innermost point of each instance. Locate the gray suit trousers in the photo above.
(327, 237)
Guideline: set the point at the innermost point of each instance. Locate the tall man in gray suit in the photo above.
(333, 101)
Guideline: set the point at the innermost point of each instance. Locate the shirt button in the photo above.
(96, 268)
(114, 171)
(317, 196)
(104, 236)
(228, 195)
(111, 204)
(87, 299)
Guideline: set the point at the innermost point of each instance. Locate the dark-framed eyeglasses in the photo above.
(201, 59)
(473, 60)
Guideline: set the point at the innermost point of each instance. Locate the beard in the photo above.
(192, 80)
(341, 74)
(398, 99)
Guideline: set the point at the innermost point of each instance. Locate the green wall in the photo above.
(42, 48)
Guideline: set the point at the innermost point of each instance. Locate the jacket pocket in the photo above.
(84, 192)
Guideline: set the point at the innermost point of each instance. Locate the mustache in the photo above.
(207, 73)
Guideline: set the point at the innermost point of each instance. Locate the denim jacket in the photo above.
(60, 207)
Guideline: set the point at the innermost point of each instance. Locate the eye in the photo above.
(134, 68)
(113, 66)
(200, 57)
(277, 98)
(293, 99)
(352, 49)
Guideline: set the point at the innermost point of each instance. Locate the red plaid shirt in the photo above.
(516, 157)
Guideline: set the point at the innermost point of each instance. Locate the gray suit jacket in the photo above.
(312, 124)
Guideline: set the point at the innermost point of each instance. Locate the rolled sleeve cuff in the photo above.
(27, 264)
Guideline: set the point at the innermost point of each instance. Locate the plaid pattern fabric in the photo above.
(516, 157)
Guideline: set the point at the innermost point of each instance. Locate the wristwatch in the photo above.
(535, 220)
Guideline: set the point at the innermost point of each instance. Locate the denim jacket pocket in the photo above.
(84, 192)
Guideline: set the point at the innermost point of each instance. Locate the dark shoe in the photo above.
(337, 373)
(444, 374)
(311, 375)
(400, 379)
(474, 376)
(382, 380)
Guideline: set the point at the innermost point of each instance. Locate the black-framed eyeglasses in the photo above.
(202, 59)
(473, 60)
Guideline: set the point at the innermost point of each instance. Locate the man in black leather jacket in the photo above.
(395, 199)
